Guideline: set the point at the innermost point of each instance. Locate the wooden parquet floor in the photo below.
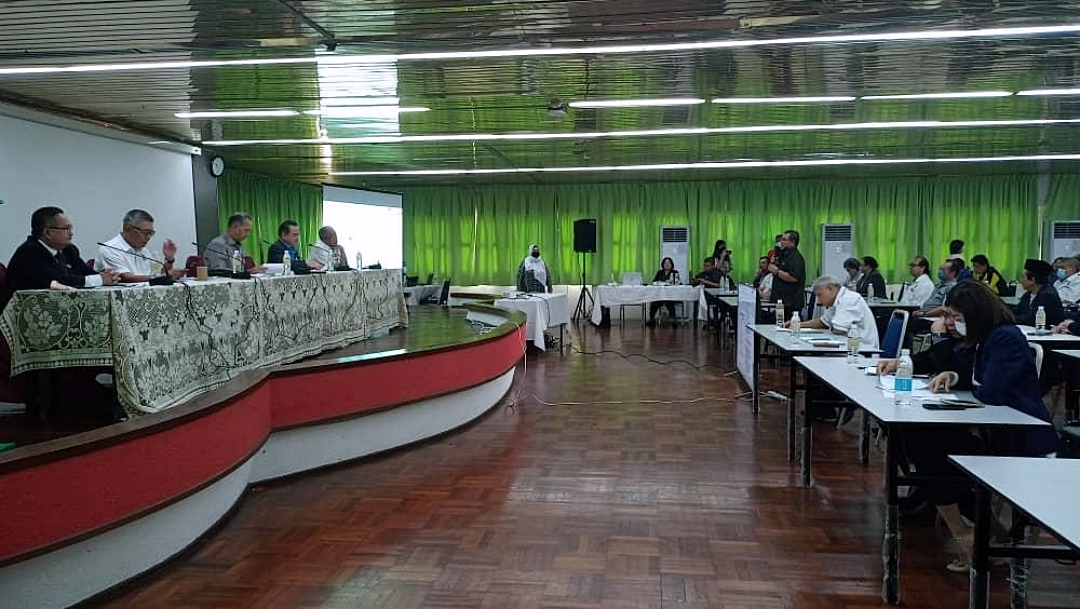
(601, 482)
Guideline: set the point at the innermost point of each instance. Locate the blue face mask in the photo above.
(1061, 273)
(942, 275)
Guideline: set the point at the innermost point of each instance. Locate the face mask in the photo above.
(536, 254)
(1061, 273)
(961, 328)
(942, 275)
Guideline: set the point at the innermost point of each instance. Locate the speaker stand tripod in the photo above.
(582, 310)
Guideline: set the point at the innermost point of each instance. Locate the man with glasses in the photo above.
(789, 274)
(126, 252)
(48, 259)
(922, 287)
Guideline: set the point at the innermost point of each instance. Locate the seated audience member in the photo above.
(710, 276)
(1068, 281)
(533, 275)
(219, 253)
(956, 250)
(842, 309)
(48, 259)
(1068, 326)
(999, 369)
(871, 277)
(126, 252)
(854, 273)
(919, 290)
(949, 273)
(1060, 260)
(321, 251)
(722, 257)
(288, 241)
(666, 274)
(763, 279)
(1038, 293)
(988, 275)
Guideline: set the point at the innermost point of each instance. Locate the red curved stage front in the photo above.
(95, 509)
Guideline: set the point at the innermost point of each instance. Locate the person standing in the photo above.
(789, 274)
(533, 275)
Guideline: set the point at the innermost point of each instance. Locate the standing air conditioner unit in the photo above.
(675, 244)
(1064, 239)
(837, 245)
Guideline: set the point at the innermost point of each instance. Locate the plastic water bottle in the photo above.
(237, 262)
(796, 327)
(779, 313)
(286, 263)
(404, 272)
(870, 291)
(853, 343)
(335, 260)
(902, 388)
(359, 261)
(1040, 321)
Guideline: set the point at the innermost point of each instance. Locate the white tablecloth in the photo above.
(542, 311)
(616, 295)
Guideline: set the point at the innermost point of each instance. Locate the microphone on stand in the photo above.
(162, 280)
(223, 272)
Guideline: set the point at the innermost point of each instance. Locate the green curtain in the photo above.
(479, 234)
(269, 201)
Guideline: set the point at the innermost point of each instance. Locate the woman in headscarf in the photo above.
(533, 275)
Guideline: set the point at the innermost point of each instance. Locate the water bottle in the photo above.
(853, 343)
(870, 291)
(404, 273)
(237, 262)
(779, 313)
(359, 261)
(335, 260)
(1040, 321)
(286, 263)
(796, 327)
(902, 388)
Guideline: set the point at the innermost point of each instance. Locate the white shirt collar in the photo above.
(52, 252)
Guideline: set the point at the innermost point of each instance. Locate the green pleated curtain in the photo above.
(479, 234)
(269, 201)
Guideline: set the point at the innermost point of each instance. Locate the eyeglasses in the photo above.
(69, 228)
(145, 232)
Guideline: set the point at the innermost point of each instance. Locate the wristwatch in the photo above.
(170, 261)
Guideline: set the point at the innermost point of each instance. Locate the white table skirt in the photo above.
(542, 311)
(617, 295)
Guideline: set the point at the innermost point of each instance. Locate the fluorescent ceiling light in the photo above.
(784, 100)
(585, 135)
(914, 36)
(956, 95)
(634, 103)
(711, 165)
(1040, 92)
(236, 114)
(362, 111)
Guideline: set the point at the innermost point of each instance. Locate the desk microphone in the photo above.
(162, 280)
(223, 272)
(297, 266)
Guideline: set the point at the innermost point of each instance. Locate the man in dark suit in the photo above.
(288, 241)
(1039, 293)
(48, 259)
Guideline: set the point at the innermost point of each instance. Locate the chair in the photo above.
(430, 278)
(1037, 351)
(890, 348)
(632, 279)
(903, 286)
(249, 263)
(811, 304)
(444, 295)
(411, 281)
(894, 334)
(191, 263)
(1009, 291)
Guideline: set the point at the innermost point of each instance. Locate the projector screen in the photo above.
(365, 221)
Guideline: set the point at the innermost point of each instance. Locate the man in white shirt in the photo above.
(126, 252)
(320, 252)
(843, 308)
(1068, 283)
(919, 291)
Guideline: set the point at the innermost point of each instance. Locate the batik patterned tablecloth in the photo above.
(167, 344)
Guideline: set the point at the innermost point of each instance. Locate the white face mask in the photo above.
(961, 327)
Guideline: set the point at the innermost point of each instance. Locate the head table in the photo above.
(169, 343)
